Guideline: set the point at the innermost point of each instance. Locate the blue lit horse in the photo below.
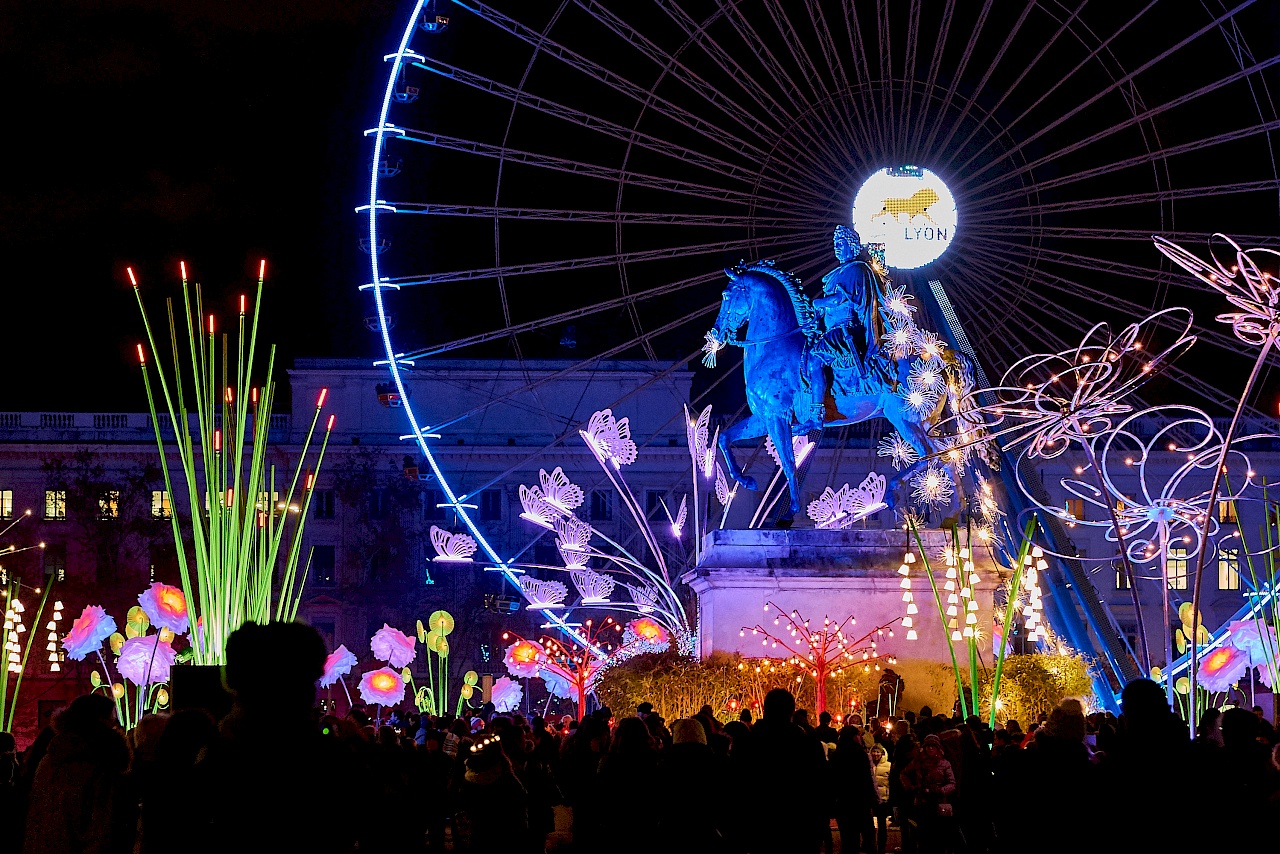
(778, 320)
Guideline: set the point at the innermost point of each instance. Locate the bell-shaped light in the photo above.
(972, 606)
(951, 610)
(57, 606)
(54, 667)
(903, 570)
(912, 609)
(968, 631)
(955, 635)
(907, 622)
(51, 646)
(970, 618)
(911, 634)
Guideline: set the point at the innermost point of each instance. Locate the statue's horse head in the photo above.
(735, 307)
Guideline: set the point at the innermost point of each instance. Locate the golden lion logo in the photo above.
(917, 204)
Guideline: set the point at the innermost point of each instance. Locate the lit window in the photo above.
(161, 508)
(1122, 580)
(1227, 515)
(1177, 568)
(109, 504)
(268, 500)
(55, 504)
(6, 503)
(1229, 569)
(1075, 508)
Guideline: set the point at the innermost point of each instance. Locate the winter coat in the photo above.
(880, 773)
(79, 801)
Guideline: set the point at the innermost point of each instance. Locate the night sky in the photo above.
(144, 131)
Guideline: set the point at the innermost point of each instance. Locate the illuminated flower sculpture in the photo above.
(1253, 290)
(506, 694)
(146, 660)
(1222, 668)
(383, 687)
(393, 646)
(647, 633)
(1048, 400)
(166, 606)
(336, 665)
(90, 629)
(524, 659)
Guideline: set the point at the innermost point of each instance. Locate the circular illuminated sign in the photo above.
(910, 211)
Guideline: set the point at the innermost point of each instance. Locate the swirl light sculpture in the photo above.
(1249, 283)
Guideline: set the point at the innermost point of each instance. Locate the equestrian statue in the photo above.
(848, 356)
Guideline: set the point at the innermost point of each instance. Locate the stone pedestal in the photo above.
(826, 574)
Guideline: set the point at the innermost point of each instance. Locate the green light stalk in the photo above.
(238, 518)
(1024, 551)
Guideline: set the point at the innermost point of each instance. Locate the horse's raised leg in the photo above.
(780, 433)
(751, 427)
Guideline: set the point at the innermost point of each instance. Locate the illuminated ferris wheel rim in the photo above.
(765, 208)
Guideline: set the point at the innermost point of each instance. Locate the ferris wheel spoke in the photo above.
(1137, 235)
(577, 167)
(950, 153)
(1062, 312)
(798, 251)
(858, 49)
(685, 220)
(978, 214)
(733, 70)
(931, 78)
(1138, 118)
(809, 71)
(822, 139)
(943, 111)
(1142, 159)
(1115, 85)
(1070, 287)
(835, 66)
(613, 80)
(1058, 83)
(739, 171)
(981, 86)
(679, 71)
(566, 264)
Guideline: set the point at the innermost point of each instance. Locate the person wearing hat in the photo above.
(493, 800)
(930, 782)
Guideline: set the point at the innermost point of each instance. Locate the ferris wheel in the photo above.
(572, 177)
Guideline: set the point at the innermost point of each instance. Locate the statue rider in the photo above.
(850, 311)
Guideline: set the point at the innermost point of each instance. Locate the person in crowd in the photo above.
(493, 801)
(853, 783)
(801, 719)
(270, 754)
(827, 734)
(880, 769)
(931, 783)
(643, 710)
(691, 762)
(80, 800)
(902, 751)
(745, 716)
(186, 736)
(631, 765)
(780, 750)
(1150, 749)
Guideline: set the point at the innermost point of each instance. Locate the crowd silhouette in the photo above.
(275, 775)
